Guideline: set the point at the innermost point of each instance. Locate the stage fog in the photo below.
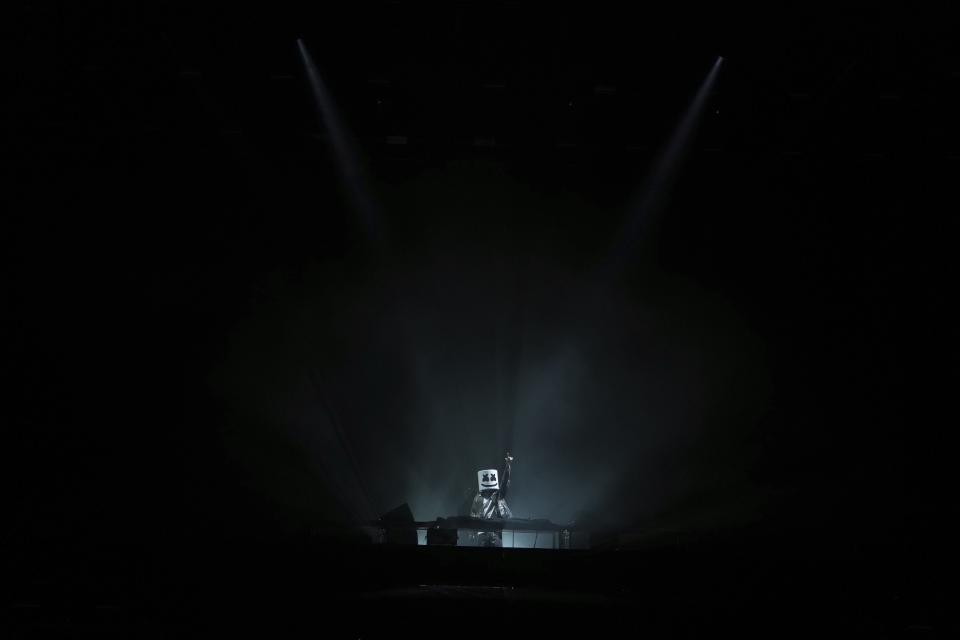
(486, 320)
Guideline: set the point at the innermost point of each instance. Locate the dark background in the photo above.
(206, 342)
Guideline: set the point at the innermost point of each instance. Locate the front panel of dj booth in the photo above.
(516, 533)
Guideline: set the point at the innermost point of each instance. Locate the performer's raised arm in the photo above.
(505, 485)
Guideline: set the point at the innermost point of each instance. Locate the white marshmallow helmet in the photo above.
(488, 479)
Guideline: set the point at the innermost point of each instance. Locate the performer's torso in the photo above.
(491, 506)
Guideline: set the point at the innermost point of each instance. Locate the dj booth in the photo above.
(463, 531)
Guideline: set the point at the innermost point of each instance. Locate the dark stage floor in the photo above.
(772, 587)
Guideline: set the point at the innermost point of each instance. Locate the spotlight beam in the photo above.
(348, 161)
(343, 442)
(656, 187)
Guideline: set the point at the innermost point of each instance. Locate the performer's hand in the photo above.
(508, 458)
